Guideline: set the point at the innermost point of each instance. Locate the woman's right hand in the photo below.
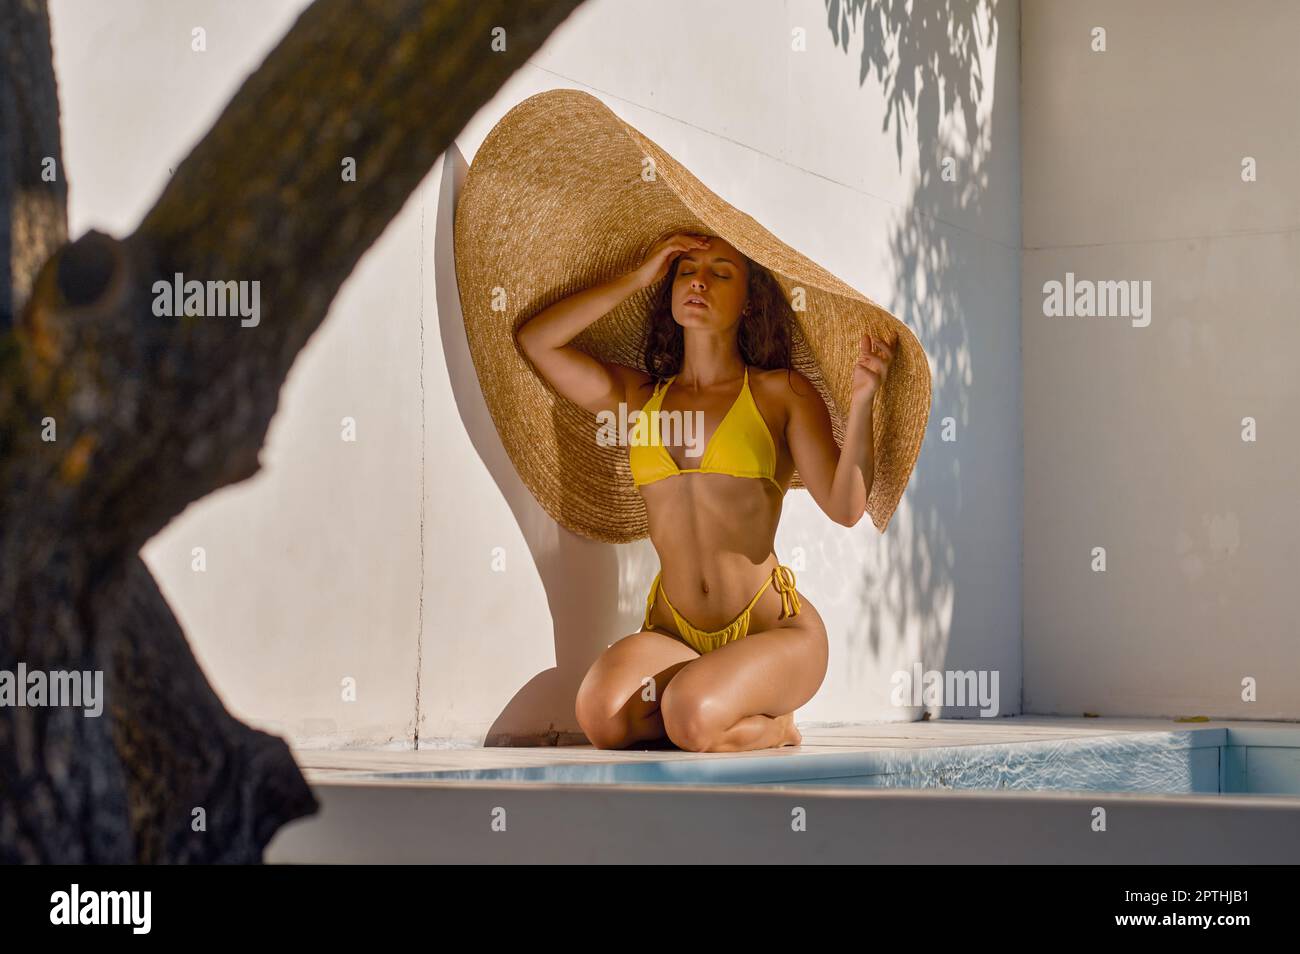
(661, 256)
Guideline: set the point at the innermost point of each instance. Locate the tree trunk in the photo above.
(151, 413)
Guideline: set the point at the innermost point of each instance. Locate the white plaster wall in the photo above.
(1133, 435)
(375, 559)
(312, 565)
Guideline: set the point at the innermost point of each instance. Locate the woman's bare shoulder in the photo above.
(783, 386)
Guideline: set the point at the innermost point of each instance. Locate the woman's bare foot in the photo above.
(791, 736)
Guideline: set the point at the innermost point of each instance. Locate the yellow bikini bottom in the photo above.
(704, 641)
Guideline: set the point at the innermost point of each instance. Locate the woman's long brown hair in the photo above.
(763, 335)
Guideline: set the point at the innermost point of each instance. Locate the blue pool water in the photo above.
(1185, 761)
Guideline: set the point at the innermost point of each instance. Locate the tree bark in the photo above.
(152, 413)
(33, 210)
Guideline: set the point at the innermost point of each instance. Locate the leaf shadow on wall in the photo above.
(954, 271)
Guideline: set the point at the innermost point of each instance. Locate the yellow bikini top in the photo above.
(742, 446)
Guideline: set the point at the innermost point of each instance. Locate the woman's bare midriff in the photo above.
(714, 534)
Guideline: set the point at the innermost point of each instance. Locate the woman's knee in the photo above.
(599, 713)
(622, 690)
(608, 711)
(692, 717)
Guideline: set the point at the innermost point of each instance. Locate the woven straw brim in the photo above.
(557, 199)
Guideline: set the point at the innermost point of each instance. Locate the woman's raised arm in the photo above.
(586, 381)
(839, 479)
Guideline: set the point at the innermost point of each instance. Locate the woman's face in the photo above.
(710, 286)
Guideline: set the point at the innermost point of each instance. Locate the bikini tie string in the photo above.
(783, 580)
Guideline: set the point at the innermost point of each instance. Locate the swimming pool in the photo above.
(1136, 795)
(1246, 761)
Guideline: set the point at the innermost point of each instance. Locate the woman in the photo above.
(710, 678)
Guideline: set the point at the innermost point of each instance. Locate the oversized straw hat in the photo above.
(562, 195)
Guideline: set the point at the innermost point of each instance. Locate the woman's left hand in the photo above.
(872, 367)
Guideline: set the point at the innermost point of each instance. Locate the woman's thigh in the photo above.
(769, 672)
(627, 681)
